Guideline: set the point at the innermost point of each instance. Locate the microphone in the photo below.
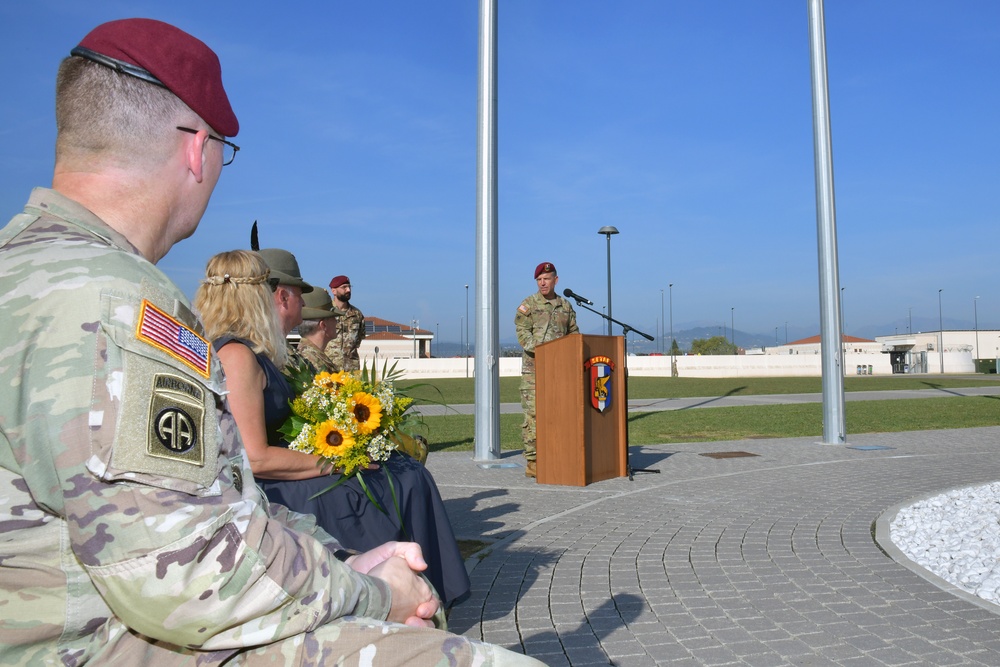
(573, 295)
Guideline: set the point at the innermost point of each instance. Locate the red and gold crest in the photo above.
(601, 369)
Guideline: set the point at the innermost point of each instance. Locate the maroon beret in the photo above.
(338, 281)
(544, 267)
(159, 53)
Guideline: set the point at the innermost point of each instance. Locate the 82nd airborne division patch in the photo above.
(176, 416)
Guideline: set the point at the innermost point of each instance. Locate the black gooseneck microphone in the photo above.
(573, 295)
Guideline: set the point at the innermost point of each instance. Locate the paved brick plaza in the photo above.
(757, 560)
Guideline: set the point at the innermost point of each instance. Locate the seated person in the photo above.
(132, 531)
(247, 323)
(318, 327)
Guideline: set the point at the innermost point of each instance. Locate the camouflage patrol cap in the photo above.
(285, 268)
(166, 56)
(319, 306)
(544, 267)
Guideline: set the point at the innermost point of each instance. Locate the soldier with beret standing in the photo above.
(343, 348)
(542, 317)
(132, 529)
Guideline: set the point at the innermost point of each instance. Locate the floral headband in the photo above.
(237, 280)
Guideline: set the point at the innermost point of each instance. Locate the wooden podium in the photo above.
(578, 444)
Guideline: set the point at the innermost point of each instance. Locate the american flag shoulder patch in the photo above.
(523, 308)
(176, 339)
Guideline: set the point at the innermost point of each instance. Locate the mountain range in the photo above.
(639, 345)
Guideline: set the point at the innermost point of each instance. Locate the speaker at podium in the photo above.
(580, 410)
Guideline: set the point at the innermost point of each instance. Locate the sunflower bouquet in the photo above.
(349, 419)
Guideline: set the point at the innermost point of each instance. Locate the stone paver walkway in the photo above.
(758, 560)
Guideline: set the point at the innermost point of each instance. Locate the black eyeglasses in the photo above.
(229, 149)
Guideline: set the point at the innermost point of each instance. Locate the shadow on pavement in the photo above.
(640, 457)
(582, 645)
(476, 517)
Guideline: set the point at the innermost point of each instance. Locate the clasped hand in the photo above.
(397, 563)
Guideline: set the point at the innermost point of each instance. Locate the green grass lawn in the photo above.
(461, 390)
(455, 433)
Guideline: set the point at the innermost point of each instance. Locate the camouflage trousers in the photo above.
(528, 405)
(348, 641)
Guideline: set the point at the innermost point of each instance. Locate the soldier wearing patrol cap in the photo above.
(317, 328)
(541, 317)
(288, 288)
(133, 530)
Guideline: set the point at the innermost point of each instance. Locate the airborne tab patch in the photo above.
(171, 336)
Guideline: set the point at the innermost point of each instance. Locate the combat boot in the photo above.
(529, 469)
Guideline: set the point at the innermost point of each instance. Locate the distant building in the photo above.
(811, 345)
(394, 340)
(921, 351)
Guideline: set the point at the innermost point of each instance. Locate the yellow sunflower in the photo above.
(340, 377)
(331, 442)
(331, 381)
(366, 412)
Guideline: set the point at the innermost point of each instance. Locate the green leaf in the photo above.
(371, 496)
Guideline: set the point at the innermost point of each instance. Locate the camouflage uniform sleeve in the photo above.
(361, 330)
(314, 356)
(524, 326)
(150, 478)
(233, 571)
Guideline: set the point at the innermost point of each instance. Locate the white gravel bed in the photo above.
(956, 536)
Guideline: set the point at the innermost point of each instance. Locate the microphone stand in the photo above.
(626, 328)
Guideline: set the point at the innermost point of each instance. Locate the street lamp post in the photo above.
(662, 323)
(732, 325)
(671, 327)
(466, 331)
(776, 336)
(909, 321)
(975, 312)
(940, 333)
(608, 231)
(413, 331)
(437, 335)
(786, 332)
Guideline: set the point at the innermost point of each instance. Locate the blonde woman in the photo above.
(235, 304)
(248, 302)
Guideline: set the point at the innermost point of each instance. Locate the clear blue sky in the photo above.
(687, 125)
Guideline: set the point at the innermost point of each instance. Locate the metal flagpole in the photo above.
(487, 367)
(831, 327)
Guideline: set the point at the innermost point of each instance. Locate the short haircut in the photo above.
(101, 113)
(235, 300)
(308, 327)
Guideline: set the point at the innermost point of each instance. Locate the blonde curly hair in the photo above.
(235, 299)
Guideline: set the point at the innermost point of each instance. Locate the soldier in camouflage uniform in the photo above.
(542, 317)
(343, 348)
(132, 530)
(316, 329)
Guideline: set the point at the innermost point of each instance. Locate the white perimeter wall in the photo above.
(709, 366)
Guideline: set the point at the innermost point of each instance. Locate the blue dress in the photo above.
(348, 514)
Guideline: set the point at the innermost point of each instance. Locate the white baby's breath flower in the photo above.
(303, 442)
